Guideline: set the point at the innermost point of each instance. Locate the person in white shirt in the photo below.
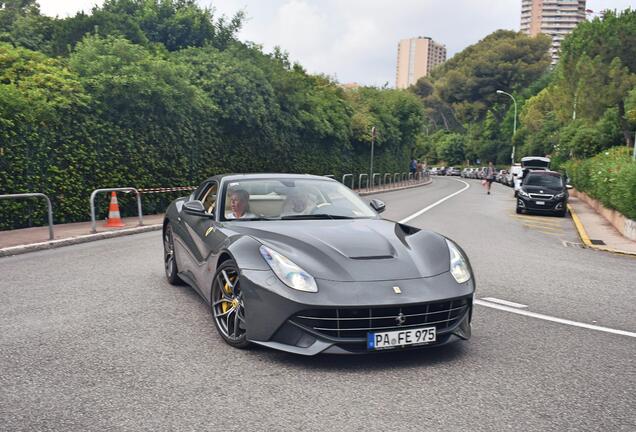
(239, 205)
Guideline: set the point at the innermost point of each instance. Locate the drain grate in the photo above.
(573, 244)
(597, 242)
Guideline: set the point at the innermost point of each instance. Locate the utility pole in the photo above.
(514, 125)
(373, 132)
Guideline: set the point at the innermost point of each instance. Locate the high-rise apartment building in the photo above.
(416, 58)
(555, 18)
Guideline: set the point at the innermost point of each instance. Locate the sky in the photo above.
(356, 40)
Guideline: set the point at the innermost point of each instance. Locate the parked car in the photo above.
(528, 163)
(434, 171)
(466, 172)
(452, 171)
(501, 175)
(248, 245)
(543, 191)
(442, 171)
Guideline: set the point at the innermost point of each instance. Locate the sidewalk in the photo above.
(30, 239)
(596, 232)
(24, 240)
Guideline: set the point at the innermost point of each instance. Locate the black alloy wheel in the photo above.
(170, 264)
(227, 305)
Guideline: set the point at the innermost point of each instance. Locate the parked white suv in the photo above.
(517, 171)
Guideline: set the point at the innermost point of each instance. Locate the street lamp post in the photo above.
(373, 131)
(514, 124)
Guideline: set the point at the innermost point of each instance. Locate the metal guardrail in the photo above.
(384, 181)
(360, 180)
(124, 189)
(30, 195)
(344, 177)
(373, 180)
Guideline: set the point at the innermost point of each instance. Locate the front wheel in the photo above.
(518, 210)
(228, 308)
(170, 264)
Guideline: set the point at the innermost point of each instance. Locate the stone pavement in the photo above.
(596, 232)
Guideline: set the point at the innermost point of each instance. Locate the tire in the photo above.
(519, 210)
(169, 261)
(562, 213)
(226, 304)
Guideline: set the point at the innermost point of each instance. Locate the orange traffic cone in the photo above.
(114, 219)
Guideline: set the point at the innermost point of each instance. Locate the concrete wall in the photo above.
(623, 225)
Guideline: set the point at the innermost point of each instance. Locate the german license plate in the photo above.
(398, 338)
(540, 202)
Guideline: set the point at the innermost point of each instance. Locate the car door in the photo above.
(204, 238)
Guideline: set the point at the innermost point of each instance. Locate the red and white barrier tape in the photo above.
(172, 189)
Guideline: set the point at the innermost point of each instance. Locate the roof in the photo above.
(263, 176)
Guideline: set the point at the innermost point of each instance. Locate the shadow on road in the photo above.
(372, 361)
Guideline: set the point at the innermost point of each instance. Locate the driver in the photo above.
(239, 205)
(297, 204)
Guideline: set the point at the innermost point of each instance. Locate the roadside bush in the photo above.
(610, 177)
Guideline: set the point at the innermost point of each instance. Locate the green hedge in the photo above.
(117, 114)
(610, 177)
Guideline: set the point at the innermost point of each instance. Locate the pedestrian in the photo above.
(490, 175)
(413, 166)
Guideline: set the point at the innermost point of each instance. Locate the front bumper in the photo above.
(549, 206)
(277, 315)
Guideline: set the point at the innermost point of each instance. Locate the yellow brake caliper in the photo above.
(225, 306)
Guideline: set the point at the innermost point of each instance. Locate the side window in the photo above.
(209, 198)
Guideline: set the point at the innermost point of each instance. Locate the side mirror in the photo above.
(195, 207)
(377, 205)
(569, 186)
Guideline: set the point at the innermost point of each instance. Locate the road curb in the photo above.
(53, 244)
(580, 229)
(373, 192)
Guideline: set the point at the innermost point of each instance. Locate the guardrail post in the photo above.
(48, 205)
(384, 179)
(344, 178)
(360, 181)
(124, 189)
(373, 180)
(394, 177)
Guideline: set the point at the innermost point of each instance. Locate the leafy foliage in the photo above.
(609, 177)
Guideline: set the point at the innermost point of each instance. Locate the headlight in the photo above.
(288, 272)
(559, 196)
(523, 193)
(458, 265)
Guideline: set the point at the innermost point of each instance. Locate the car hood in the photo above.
(353, 250)
(542, 189)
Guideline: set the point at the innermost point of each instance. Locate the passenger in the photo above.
(297, 204)
(239, 205)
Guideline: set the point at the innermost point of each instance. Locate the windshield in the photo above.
(546, 181)
(276, 199)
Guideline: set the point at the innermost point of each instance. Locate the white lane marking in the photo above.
(505, 302)
(424, 210)
(554, 319)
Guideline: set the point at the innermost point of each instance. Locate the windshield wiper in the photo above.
(316, 216)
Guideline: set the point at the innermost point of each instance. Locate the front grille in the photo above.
(357, 322)
(541, 196)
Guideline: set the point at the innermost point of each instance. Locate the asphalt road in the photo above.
(94, 339)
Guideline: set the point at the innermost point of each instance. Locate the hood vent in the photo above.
(378, 257)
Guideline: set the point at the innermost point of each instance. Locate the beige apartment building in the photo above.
(416, 58)
(556, 18)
